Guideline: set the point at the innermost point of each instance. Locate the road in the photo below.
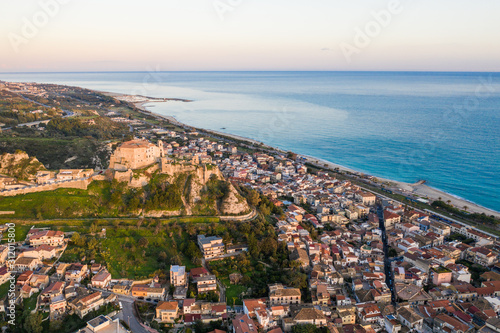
(128, 315)
(389, 276)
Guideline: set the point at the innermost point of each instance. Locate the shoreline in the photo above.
(418, 189)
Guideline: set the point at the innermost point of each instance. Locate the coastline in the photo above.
(418, 189)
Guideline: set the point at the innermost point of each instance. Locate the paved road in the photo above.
(389, 277)
(128, 315)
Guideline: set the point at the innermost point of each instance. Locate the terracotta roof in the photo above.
(309, 314)
(170, 306)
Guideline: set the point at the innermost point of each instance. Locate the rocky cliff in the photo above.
(201, 188)
(20, 165)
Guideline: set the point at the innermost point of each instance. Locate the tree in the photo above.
(269, 246)
(33, 323)
(253, 198)
(143, 242)
(304, 328)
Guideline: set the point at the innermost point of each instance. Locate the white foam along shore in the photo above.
(418, 189)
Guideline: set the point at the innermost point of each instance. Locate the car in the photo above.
(141, 298)
(148, 299)
(155, 300)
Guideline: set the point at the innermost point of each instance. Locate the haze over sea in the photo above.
(406, 126)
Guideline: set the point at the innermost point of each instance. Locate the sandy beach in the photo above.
(417, 189)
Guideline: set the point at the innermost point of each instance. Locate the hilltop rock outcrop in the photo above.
(20, 165)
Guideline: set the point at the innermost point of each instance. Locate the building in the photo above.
(41, 252)
(135, 154)
(206, 283)
(211, 247)
(309, 316)
(24, 263)
(103, 324)
(366, 198)
(441, 275)
(101, 279)
(244, 324)
(177, 275)
(146, 291)
(48, 237)
(390, 219)
(481, 256)
(76, 272)
(410, 319)
(73, 174)
(281, 295)
(85, 304)
(166, 312)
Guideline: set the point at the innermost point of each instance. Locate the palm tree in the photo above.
(448, 202)
(439, 199)
(465, 208)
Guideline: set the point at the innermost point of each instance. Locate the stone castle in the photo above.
(136, 154)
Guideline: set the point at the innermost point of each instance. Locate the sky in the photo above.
(184, 35)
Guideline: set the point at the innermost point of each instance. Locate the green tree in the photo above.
(33, 323)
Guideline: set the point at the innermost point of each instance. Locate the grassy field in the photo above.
(233, 291)
(133, 252)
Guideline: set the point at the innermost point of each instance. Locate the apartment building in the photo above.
(211, 247)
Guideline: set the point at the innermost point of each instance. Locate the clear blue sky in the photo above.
(109, 35)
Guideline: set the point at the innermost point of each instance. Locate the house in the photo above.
(309, 316)
(85, 304)
(391, 324)
(57, 306)
(101, 279)
(41, 252)
(39, 281)
(410, 319)
(206, 283)
(244, 324)
(198, 272)
(4, 274)
(481, 256)
(4, 252)
(369, 312)
(103, 324)
(167, 312)
(301, 256)
(24, 264)
(147, 291)
(281, 295)
(53, 290)
(250, 306)
(211, 247)
(390, 219)
(177, 275)
(61, 269)
(444, 323)
(48, 237)
(76, 272)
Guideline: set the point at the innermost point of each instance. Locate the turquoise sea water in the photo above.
(441, 127)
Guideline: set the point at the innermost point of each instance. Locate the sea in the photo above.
(442, 127)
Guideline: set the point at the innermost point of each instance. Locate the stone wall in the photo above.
(78, 184)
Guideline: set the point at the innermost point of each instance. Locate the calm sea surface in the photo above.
(441, 127)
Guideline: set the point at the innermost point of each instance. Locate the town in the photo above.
(372, 264)
(293, 248)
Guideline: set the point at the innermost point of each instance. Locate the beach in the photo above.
(417, 190)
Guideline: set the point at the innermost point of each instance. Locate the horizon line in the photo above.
(251, 71)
